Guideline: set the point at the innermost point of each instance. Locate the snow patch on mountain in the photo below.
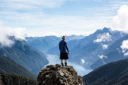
(103, 38)
(104, 46)
(124, 47)
(82, 61)
(102, 56)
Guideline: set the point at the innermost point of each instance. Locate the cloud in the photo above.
(30, 4)
(40, 24)
(36, 17)
(120, 21)
(6, 32)
(44, 17)
(53, 59)
(4, 39)
(103, 38)
(65, 25)
(124, 47)
(19, 33)
(4, 36)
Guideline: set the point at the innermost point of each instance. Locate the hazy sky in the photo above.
(60, 17)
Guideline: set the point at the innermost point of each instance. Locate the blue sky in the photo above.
(59, 17)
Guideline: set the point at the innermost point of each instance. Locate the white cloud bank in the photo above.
(5, 32)
(33, 15)
(39, 23)
(124, 47)
(53, 59)
(120, 21)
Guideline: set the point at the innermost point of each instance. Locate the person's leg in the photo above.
(65, 62)
(62, 62)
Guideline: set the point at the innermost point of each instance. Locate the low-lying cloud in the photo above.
(53, 59)
(6, 32)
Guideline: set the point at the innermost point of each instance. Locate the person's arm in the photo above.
(67, 48)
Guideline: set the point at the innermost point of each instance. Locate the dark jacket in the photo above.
(63, 47)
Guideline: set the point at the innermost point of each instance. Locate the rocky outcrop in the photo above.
(57, 75)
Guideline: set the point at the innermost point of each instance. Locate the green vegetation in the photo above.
(6, 79)
(10, 67)
(14, 74)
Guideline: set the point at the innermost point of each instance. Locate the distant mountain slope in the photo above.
(114, 52)
(10, 67)
(7, 79)
(43, 43)
(115, 73)
(86, 48)
(47, 42)
(25, 55)
(94, 45)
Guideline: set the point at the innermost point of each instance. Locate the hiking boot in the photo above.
(62, 64)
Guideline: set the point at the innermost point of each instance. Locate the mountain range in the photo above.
(24, 55)
(42, 43)
(47, 42)
(28, 57)
(113, 53)
(93, 48)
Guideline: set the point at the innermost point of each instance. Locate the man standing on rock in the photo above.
(63, 51)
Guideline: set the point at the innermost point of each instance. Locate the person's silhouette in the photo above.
(63, 51)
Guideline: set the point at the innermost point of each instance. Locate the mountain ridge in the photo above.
(25, 55)
(114, 73)
(113, 53)
(8, 66)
